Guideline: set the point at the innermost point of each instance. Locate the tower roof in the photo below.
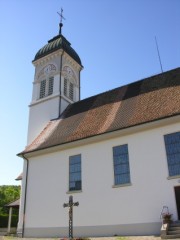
(58, 42)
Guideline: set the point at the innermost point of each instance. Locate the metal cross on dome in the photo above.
(61, 18)
(70, 205)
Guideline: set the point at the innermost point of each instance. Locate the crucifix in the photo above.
(61, 18)
(70, 206)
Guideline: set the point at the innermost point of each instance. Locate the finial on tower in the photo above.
(61, 18)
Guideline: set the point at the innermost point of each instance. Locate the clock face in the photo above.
(47, 70)
(69, 71)
(69, 74)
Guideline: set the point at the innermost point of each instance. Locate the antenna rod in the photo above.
(158, 54)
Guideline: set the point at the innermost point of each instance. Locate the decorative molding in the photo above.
(42, 61)
(38, 101)
(46, 70)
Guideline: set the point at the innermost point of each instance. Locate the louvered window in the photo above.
(65, 87)
(46, 87)
(68, 89)
(172, 144)
(51, 83)
(71, 91)
(42, 89)
(121, 165)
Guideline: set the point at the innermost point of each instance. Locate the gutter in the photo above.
(79, 86)
(25, 195)
(125, 130)
(60, 84)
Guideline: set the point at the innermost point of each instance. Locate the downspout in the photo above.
(60, 84)
(79, 86)
(25, 195)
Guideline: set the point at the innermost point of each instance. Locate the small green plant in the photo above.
(122, 238)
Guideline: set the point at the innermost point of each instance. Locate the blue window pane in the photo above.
(172, 144)
(121, 164)
(75, 173)
(75, 176)
(75, 159)
(75, 168)
(123, 179)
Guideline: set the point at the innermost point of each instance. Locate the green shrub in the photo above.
(4, 220)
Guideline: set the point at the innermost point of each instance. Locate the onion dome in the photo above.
(56, 43)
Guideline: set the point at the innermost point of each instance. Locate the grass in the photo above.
(122, 238)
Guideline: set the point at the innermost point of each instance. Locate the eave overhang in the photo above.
(104, 136)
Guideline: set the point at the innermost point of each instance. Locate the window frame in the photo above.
(173, 162)
(127, 165)
(76, 188)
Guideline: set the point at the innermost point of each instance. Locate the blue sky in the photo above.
(115, 40)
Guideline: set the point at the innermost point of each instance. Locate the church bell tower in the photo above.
(56, 82)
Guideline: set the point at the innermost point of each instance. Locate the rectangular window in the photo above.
(172, 144)
(42, 89)
(75, 173)
(51, 83)
(121, 165)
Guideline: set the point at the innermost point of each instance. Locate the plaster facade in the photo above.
(104, 209)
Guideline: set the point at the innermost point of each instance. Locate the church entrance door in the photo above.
(177, 195)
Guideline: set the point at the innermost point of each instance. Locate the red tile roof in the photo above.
(14, 204)
(19, 177)
(147, 100)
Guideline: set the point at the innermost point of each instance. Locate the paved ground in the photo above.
(129, 238)
(104, 238)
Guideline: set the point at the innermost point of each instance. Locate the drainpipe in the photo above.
(25, 195)
(79, 87)
(60, 84)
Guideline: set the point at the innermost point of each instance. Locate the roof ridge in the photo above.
(126, 85)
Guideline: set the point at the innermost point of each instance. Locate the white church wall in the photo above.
(111, 209)
(39, 116)
(56, 84)
(22, 199)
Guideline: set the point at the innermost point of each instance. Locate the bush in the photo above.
(4, 220)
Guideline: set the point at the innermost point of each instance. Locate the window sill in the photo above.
(173, 177)
(122, 185)
(74, 191)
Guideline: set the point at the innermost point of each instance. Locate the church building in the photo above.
(117, 153)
